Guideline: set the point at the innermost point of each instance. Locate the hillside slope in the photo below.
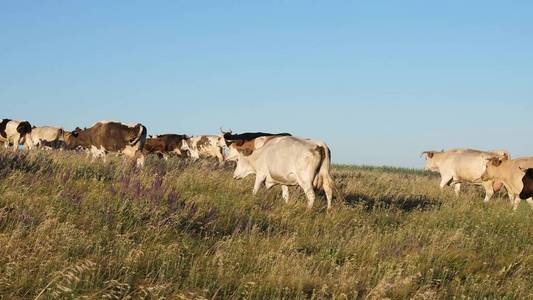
(174, 229)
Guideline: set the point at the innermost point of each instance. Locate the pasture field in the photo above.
(181, 230)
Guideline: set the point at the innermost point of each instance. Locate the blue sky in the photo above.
(378, 81)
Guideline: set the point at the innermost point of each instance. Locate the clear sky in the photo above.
(379, 81)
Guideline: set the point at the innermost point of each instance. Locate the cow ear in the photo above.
(429, 154)
(247, 151)
(496, 162)
(74, 133)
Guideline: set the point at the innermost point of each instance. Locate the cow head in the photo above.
(244, 168)
(72, 138)
(493, 168)
(184, 147)
(493, 161)
(228, 145)
(238, 148)
(431, 162)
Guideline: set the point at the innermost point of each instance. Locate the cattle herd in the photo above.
(275, 159)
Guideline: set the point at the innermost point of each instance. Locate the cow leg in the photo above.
(530, 202)
(257, 185)
(140, 161)
(219, 156)
(445, 180)
(489, 191)
(511, 197)
(457, 189)
(310, 193)
(516, 203)
(285, 193)
(195, 155)
(326, 185)
(16, 143)
(93, 153)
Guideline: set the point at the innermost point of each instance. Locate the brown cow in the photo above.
(107, 136)
(165, 144)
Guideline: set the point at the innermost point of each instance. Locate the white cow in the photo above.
(458, 166)
(286, 161)
(204, 146)
(45, 137)
(14, 132)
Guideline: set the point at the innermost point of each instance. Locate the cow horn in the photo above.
(225, 132)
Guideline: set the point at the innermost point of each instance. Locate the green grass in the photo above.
(74, 229)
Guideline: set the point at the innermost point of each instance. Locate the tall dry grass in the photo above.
(74, 229)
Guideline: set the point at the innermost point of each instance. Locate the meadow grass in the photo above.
(175, 229)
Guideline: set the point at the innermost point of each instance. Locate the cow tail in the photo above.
(324, 173)
(141, 136)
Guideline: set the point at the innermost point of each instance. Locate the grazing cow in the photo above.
(458, 166)
(204, 146)
(165, 144)
(511, 173)
(108, 136)
(286, 161)
(14, 132)
(527, 180)
(45, 137)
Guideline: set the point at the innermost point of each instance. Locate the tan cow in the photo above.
(458, 166)
(45, 137)
(510, 172)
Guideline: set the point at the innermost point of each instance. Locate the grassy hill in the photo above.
(182, 230)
